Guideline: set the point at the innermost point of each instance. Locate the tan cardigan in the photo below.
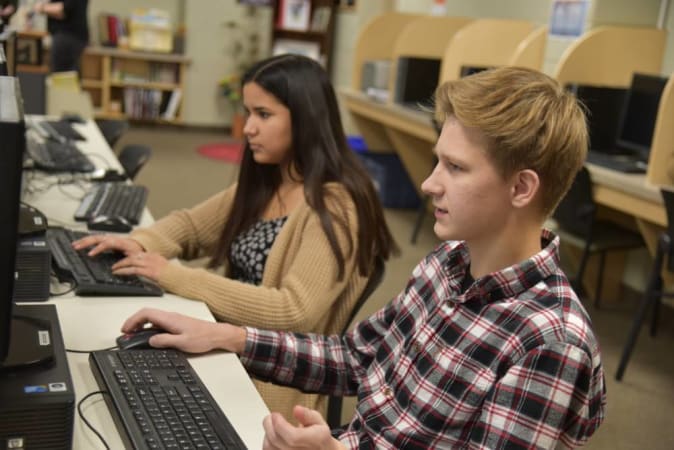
(299, 291)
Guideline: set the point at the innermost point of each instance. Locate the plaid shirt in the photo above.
(510, 363)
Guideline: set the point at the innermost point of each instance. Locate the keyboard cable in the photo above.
(84, 419)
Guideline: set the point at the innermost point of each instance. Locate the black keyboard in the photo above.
(64, 129)
(158, 401)
(54, 156)
(114, 199)
(93, 275)
(620, 163)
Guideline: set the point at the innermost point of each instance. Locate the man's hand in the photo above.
(313, 432)
(186, 333)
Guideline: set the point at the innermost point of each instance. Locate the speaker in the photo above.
(33, 266)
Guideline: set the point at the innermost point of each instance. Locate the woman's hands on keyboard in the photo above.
(137, 261)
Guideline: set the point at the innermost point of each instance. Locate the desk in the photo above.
(91, 323)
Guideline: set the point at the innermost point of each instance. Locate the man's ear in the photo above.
(525, 186)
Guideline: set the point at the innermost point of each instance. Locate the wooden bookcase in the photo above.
(134, 85)
(310, 33)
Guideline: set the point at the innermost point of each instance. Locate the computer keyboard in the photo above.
(54, 156)
(158, 401)
(93, 275)
(620, 163)
(114, 199)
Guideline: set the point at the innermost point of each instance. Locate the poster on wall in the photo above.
(294, 14)
(568, 17)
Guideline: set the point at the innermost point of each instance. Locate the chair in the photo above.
(112, 129)
(334, 414)
(577, 225)
(133, 157)
(654, 289)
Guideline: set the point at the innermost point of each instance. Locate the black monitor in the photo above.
(640, 113)
(603, 106)
(416, 81)
(18, 348)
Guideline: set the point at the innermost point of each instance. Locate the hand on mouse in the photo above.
(186, 333)
(148, 265)
(100, 243)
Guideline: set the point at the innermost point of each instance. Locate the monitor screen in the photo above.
(416, 81)
(12, 143)
(640, 113)
(603, 108)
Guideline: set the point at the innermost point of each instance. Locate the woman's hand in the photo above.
(313, 432)
(148, 265)
(100, 243)
(186, 333)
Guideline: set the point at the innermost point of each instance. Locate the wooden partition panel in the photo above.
(376, 41)
(484, 42)
(609, 55)
(530, 52)
(661, 159)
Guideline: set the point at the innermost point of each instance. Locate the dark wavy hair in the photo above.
(320, 154)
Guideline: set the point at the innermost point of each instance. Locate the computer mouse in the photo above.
(137, 340)
(73, 118)
(117, 224)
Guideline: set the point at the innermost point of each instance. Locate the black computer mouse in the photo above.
(73, 118)
(117, 224)
(137, 340)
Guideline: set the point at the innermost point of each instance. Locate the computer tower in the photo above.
(37, 400)
(33, 266)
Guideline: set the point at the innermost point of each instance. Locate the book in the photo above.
(173, 103)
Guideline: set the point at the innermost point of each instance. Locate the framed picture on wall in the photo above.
(294, 14)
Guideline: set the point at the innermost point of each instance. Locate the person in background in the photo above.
(297, 236)
(69, 29)
(487, 346)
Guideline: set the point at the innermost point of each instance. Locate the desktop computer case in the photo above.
(33, 266)
(37, 404)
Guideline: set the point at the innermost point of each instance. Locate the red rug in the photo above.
(223, 151)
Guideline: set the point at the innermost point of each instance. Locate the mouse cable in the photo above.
(86, 422)
(89, 351)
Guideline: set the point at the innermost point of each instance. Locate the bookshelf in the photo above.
(134, 85)
(306, 27)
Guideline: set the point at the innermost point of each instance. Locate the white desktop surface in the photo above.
(93, 323)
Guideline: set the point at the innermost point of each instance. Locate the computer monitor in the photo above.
(603, 105)
(416, 81)
(18, 348)
(639, 114)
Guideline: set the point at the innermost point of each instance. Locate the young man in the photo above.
(487, 346)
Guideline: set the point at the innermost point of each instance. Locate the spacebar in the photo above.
(227, 435)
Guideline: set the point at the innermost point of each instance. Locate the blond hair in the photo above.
(529, 120)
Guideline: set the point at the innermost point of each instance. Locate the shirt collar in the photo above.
(505, 283)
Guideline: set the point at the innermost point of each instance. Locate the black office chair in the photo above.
(654, 290)
(112, 129)
(578, 225)
(133, 157)
(334, 414)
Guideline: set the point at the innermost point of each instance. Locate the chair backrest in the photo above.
(133, 158)
(334, 413)
(668, 198)
(575, 213)
(112, 129)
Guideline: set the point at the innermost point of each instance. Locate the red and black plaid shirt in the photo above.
(512, 362)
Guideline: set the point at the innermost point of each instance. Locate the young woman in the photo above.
(296, 237)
